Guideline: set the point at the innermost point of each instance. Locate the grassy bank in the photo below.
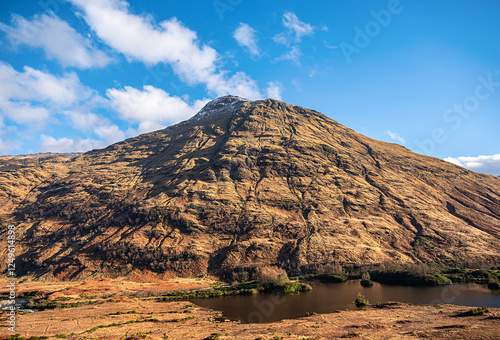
(410, 279)
(411, 274)
(327, 278)
(246, 288)
(137, 319)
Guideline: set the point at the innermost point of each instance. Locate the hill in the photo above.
(245, 183)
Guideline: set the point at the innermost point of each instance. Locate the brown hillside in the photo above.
(243, 183)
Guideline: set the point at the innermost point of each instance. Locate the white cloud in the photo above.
(296, 29)
(484, 164)
(327, 45)
(152, 108)
(274, 90)
(293, 55)
(100, 126)
(297, 84)
(139, 38)
(24, 112)
(7, 146)
(245, 36)
(37, 85)
(85, 122)
(296, 26)
(396, 136)
(51, 144)
(31, 96)
(59, 40)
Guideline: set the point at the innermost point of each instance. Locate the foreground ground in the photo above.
(114, 309)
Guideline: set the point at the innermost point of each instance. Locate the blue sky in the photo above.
(82, 74)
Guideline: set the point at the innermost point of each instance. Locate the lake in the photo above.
(329, 297)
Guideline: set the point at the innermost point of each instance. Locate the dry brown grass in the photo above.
(155, 320)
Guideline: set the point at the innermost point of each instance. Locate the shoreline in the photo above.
(141, 319)
(111, 315)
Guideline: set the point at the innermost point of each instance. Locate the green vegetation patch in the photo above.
(213, 336)
(366, 283)
(474, 312)
(328, 278)
(123, 313)
(386, 304)
(19, 337)
(361, 301)
(410, 279)
(287, 288)
(115, 324)
(494, 285)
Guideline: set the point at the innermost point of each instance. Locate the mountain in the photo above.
(244, 183)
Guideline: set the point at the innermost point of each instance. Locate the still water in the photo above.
(327, 298)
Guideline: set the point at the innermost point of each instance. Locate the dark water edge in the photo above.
(329, 297)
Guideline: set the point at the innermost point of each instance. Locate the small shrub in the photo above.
(217, 293)
(361, 301)
(366, 283)
(351, 334)
(252, 291)
(329, 278)
(474, 312)
(386, 304)
(494, 285)
(271, 275)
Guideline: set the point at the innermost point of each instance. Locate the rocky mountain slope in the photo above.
(244, 183)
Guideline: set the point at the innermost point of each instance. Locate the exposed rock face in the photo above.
(241, 183)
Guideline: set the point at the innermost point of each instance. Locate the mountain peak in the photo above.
(219, 104)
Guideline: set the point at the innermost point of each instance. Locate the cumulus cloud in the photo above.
(152, 108)
(57, 38)
(51, 144)
(396, 136)
(484, 164)
(245, 36)
(139, 38)
(31, 96)
(24, 112)
(7, 146)
(274, 90)
(101, 127)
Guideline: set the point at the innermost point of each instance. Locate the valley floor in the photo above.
(118, 316)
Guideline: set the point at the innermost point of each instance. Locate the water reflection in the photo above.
(327, 298)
